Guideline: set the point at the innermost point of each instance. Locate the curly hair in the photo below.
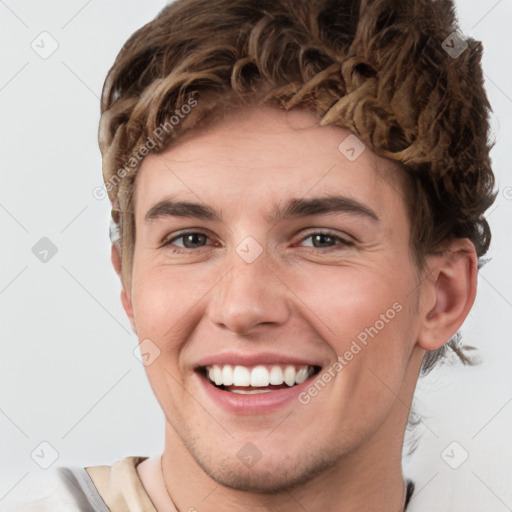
(396, 73)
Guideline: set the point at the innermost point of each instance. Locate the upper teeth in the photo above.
(258, 376)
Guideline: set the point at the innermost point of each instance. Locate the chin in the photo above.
(268, 475)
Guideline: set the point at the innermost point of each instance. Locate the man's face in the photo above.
(326, 296)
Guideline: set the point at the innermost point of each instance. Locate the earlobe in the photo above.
(452, 283)
(126, 300)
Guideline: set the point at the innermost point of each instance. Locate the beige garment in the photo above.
(120, 487)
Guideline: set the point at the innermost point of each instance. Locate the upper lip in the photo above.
(248, 359)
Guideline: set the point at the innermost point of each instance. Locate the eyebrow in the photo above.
(293, 208)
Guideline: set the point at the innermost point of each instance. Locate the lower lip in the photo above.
(258, 403)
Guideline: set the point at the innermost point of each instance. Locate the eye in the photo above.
(195, 240)
(326, 240)
(191, 240)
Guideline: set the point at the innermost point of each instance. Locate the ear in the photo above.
(448, 292)
(126, 299)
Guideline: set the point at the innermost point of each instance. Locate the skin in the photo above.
(342, 450)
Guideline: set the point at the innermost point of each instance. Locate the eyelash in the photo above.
(344, 241)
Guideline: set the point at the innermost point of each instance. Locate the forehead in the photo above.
(256, 157)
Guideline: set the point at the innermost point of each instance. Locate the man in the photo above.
(298, 192)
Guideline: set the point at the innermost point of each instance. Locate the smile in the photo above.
(257, 379)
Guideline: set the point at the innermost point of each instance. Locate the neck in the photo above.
(367, 479)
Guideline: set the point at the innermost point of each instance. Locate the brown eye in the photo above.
(190, 240)
(322, 239)
(326, 240)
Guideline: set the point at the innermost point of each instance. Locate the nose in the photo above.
(248, 295)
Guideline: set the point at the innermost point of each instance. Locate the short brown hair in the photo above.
(396, 73)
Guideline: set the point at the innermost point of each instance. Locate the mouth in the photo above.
(258, 379)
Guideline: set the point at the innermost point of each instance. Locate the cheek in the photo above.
(163, 309)
(349, 299)
(158, 304)
(169, 303)
(366, 316)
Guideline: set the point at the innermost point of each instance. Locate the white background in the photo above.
(68, 375)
